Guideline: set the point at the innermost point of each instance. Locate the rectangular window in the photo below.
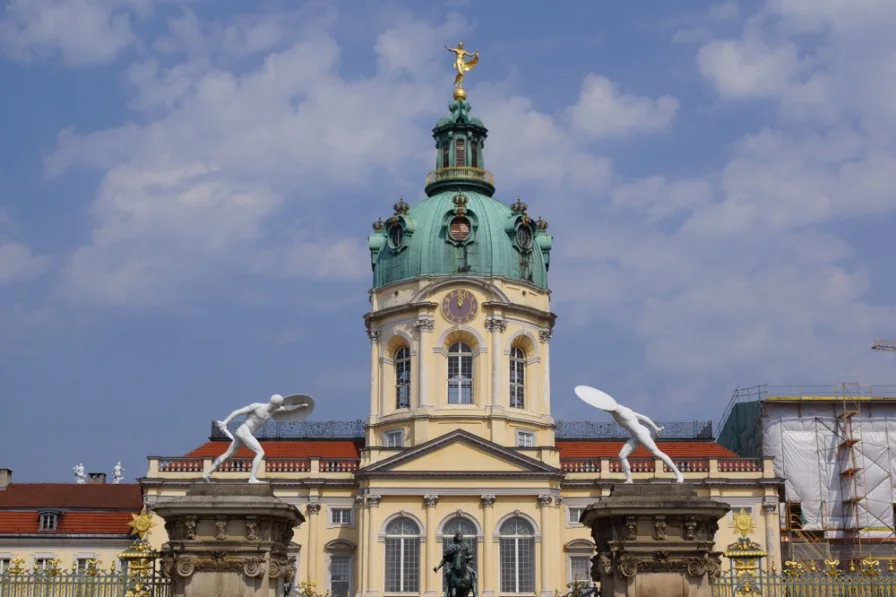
(341, 516)
(525, 439)
(48, 522)
(574, 514)
(460, 158)
(394, 439)
(474, 154)
(580, 569)
(402, 565)
(340, 576)
(42, 563)
(446, 151)
(5, 565)
(82, 565)
(795, 515)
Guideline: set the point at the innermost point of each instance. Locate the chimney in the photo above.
(96, 478)
(5, 478)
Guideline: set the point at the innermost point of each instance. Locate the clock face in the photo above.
(459, 306)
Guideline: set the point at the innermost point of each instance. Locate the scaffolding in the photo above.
(835, 446)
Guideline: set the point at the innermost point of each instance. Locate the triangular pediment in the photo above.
(459, 452)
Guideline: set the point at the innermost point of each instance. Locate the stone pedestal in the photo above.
(228, 539)
(655, 540)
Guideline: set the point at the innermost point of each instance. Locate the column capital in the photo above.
(373, 500)
(424, 325)
(430, 501)
(359, 500)
(545, 334)
(545, 500)
(558, 500)
(374, 335)
(313, 507)
(769, 508)
(488, 500)
(493, 324)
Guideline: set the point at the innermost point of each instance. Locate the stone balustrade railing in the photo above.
(611, 468)
(186, 467)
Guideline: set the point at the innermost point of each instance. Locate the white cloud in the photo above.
(602, 111)
(18, 262)
(83, 32)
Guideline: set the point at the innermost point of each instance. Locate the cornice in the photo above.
(530, 311)
(372, 316)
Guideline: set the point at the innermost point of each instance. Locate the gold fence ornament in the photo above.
(793, 569)
(16, 566)
(140, 557)
(94, 567)
(870, 567)
(833, 570)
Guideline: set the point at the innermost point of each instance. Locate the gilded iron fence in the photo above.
(868, 579)
(75, 584)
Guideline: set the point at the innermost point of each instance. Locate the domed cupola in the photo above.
(460, 229)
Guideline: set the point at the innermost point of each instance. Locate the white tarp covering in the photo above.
(805, 439)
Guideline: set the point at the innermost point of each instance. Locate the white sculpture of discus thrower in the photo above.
(292, 408)
(631, 422)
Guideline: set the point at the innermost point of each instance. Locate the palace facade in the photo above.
(459, 435)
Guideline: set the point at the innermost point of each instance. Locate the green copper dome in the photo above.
(459, 229)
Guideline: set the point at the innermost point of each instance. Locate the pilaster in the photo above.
(313, 509)
(373, 502)
(423, 327)
(544, 576)
(488, 565)
(432, 583)
(374, 336)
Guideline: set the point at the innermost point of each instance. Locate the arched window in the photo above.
(460, 374)
(460, 158)
(402, 556)
(517, 556)
(403, 378)
(517, 378)
(468, 530)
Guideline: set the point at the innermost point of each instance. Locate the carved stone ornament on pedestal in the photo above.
(655, 539)
(231, 539)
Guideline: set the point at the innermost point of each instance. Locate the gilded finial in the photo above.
(518, 207)
(462, 67)
(141, 523)
(378, 225)
(742, 522)
(460, 204)
(541, 224)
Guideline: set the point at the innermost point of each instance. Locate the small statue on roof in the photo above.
(117, 473)
(80, 474)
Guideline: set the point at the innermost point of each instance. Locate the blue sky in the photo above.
(188, 187)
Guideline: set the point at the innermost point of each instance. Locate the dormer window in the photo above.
(524, 237)
(396, 235)
(48, 521)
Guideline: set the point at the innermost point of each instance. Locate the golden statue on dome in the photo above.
(462, 67)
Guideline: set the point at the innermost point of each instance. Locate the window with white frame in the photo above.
(81, 565)
(341, 575)
(525, 439)
(579, 570)
(5, 565)
(394, 439)
(574, 514)
(467, 530)
(341, 516)
(402, 556)
(460, 374)
(517, 378)
(403, 378)
(48, 521)
(43, 563)
(517, 542)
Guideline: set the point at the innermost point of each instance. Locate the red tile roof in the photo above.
(310, 449)
(74, 523)
(605, 449)
(127, 496)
